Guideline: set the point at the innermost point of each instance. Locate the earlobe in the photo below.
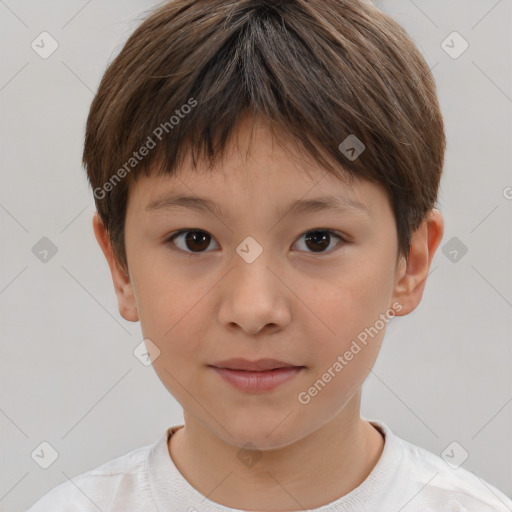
(412, 274)
(121, 280)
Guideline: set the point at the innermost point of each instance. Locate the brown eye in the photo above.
(319, 240)
(194, 241)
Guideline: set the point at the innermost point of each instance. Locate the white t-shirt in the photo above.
(406, 478)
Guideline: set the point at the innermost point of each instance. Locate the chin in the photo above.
(263, 435)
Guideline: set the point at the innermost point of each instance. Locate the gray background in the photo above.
(68, 374)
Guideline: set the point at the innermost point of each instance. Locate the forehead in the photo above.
(252, 146)
(258, 167)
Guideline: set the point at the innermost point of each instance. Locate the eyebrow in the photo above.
(201, 204)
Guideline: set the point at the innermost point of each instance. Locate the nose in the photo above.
(254, 297)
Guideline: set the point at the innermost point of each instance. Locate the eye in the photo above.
(320, 239)
(195, 240)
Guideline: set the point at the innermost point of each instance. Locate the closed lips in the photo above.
(260, 365)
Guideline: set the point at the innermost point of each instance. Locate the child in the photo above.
(263, 127)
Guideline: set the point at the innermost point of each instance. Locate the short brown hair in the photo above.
(321, 70)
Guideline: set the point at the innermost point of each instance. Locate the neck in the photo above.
(309, 473)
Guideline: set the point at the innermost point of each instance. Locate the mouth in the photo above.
(256, 376)
(261, 365)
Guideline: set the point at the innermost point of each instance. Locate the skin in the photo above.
(303, 303)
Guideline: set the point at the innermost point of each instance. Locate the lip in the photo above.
(258, 381)
(240, 363)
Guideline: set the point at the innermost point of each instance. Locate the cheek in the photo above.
(354, 296)
(347, 309)
(168, 305)
(344, 339)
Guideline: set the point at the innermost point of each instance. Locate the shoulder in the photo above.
(440, 486)
(119, 481)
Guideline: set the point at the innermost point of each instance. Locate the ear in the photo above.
(412, 274)
(121, 280)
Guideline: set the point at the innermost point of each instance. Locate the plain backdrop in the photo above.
(68, 373)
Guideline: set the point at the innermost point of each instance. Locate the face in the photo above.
(248, 280)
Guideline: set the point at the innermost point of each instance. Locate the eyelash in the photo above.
(173, 236)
